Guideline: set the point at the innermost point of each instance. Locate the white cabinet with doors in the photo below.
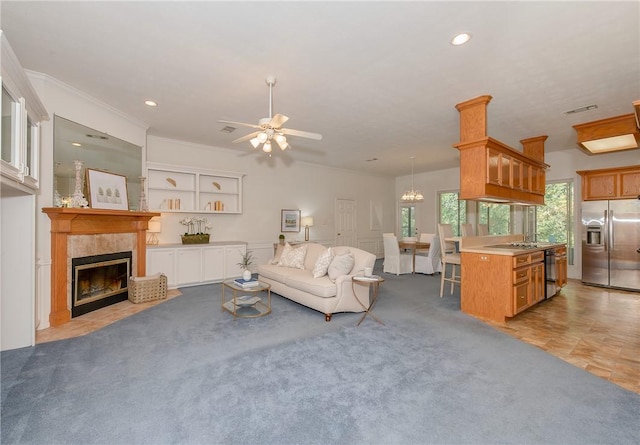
(22, 112)
(189, 265)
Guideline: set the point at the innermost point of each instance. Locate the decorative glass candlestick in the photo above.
(77, 200)
(144, 207)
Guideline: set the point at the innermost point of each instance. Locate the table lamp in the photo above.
(307, 222)
(154, 227)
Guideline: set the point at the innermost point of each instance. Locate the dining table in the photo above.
(413, 246)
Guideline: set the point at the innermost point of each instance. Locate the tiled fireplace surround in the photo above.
(84, 232)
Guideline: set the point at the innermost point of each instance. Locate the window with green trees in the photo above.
(554, 220)
(407, 221)
(452, 210)
(496, 216)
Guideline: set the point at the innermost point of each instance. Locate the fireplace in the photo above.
(77, 233)
(98, 281)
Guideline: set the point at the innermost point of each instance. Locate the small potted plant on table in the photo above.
(246, 261)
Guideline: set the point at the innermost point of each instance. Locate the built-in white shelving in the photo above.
(186, 189)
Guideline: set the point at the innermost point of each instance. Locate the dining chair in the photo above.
(394, 261)
(483, 229)
(425, 238)
(430, 263)
(448, 256)
(467, 229)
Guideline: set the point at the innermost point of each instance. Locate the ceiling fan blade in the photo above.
(278, 120)
(302, 134)
(240, 123)
(247, 137)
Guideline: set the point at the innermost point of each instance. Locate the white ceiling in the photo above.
(376, 79)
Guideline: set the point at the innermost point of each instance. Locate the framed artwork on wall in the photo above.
(290, 220)
(106, 190)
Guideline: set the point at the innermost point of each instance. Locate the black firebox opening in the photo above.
(99, 281)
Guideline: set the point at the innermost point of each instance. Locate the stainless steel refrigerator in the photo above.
(611, 243)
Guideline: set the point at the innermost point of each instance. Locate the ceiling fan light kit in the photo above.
(270, 128)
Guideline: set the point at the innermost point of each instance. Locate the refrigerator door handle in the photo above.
(605, 242)
(611, 229)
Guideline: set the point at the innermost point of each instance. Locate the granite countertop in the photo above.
(502, 249)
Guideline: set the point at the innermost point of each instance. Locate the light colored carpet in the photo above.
(184, 372)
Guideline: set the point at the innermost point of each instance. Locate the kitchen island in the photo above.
(501, 279)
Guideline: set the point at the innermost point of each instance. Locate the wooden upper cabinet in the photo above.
(492, 171)
(630, 184)
(611, 183)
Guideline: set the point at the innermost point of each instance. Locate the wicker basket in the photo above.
(143, 289)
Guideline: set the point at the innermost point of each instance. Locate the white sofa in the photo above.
(322, 294)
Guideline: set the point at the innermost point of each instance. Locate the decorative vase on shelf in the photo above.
(246, 275)
(199, 238)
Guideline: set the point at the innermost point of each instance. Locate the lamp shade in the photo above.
(154, 227)
(306, 221)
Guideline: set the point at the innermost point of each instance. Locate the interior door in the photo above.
(345, 222)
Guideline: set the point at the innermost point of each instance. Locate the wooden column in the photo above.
(473, 118)
(68, 221)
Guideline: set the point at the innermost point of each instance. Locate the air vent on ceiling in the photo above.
(97, 136)
(228, 129)
(581, 109)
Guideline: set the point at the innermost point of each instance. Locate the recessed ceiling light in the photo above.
(461, 39)
(76, 144)
(151, 103)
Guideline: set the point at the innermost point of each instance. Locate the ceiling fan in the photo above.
(270, 128)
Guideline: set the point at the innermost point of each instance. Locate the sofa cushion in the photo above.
(303, 280)
(274, 272)
(293, 256)
(341, 265)
(322, 263)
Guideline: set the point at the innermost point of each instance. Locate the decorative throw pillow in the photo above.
(293, 256)
(341, 265)
(322, 263)
(277, 255)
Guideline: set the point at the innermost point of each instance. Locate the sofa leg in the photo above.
(327, 317)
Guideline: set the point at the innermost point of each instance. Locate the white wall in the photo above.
(270, 185)
(17, 238)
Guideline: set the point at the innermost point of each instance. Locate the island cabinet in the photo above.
(561, 268)
(496, 287)
(492, 171)
(610, 183)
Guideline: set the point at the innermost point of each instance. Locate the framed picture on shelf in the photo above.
(290, 221)
(106, 190)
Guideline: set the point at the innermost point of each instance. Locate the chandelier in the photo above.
(412, 195)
